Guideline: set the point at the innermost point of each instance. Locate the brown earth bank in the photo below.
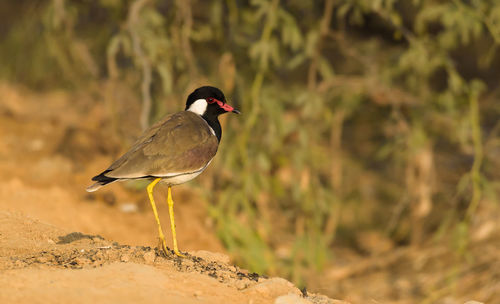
(40, 263)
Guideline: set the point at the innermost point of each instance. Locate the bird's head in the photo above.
(208, 101)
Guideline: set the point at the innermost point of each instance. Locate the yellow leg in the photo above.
(150, 187)
(172, 221)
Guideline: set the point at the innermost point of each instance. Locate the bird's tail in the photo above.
(94, 187)
(101, 180)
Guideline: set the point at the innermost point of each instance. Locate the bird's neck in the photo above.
(214, 123)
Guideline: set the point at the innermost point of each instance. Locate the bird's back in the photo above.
(178, 144)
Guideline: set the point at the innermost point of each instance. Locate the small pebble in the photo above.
(291, 298)
(82, 261)
(187, 263)
(129, 207)
(275, 287)
(125, 258)
(41, 259)
(149, 257)
(198, 293)
(241, 285)
(19, 263)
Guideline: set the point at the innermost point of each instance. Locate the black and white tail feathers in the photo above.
(101, 180)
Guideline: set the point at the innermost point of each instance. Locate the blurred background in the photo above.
(365, 164)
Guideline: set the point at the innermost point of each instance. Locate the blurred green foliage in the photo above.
(357, 114)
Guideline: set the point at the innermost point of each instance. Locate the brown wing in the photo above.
(178, 144)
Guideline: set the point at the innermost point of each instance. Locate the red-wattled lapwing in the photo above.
(173, 151)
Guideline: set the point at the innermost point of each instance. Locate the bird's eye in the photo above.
(210, 100)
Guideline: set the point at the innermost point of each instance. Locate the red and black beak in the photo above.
(226, 107)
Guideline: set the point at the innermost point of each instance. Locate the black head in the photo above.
(208, 102)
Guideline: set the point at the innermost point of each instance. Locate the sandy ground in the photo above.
(40, 263)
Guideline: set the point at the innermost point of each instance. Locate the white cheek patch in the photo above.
(199, 106)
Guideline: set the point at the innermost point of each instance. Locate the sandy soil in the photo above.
(40, 263)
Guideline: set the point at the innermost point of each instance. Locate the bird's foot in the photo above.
(178, 253)
(162, 245)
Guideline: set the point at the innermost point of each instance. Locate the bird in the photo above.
(173, 151)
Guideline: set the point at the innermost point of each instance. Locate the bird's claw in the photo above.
(179, 254)
(162, 245)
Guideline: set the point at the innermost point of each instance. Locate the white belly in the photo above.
(180, 179)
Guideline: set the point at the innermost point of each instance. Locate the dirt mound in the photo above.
(40, 263)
